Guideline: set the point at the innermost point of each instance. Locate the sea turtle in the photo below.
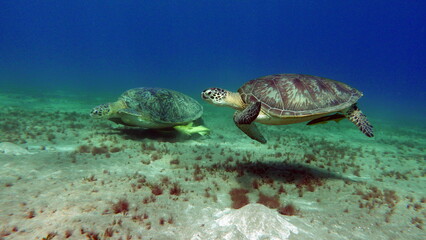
(153, 108)
(282, 99)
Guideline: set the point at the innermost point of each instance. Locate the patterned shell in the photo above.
(163, 105)
(284, 95)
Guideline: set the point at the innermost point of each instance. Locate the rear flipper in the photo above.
(360, 120)
(244, 121)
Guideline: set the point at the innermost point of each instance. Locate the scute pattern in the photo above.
(298, 94)
(163, 105)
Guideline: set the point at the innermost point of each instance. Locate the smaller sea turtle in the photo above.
(153, 108)
(290, 98)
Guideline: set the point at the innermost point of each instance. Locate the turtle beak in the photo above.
(205, 94)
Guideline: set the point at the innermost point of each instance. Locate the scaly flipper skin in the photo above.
(129, 111)
(360, 120)
(244, 121)
(129, 117)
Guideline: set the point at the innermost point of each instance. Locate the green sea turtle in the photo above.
(153, 108)
(290, 98)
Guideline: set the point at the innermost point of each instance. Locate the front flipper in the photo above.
(360, 120)
(244, 121)
(129, 117)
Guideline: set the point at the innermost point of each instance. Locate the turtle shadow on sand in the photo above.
(303, 176)
(163, 135)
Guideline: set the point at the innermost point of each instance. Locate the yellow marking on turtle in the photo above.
(189, 129)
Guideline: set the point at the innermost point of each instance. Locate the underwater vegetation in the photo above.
(128, 174)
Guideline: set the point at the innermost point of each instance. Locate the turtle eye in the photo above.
(204, 94)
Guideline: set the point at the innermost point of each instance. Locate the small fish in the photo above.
(323, 120)
(189, 129)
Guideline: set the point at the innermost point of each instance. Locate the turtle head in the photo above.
(101, 111)
(216, 96)
(222, 97)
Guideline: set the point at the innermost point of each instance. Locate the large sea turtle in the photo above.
(153, 108)
(290, 98)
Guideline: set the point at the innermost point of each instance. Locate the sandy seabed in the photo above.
(64, 175)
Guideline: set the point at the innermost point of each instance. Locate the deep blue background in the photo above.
(375, 46)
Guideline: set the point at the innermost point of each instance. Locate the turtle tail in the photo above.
(355, 115)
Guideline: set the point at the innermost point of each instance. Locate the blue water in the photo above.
(376, 46)
(60, 58)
